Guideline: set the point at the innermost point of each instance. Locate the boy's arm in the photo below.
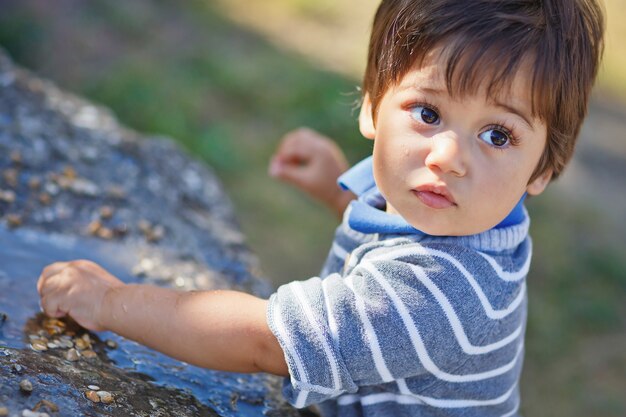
(223, 330)
(312, 162)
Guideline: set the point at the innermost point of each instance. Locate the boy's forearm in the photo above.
(223, 330)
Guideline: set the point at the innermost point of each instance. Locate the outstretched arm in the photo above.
(312, 162)
(223, 330)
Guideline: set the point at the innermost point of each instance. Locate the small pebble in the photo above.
(156, 234)
(82, 186)
(105, 396)
(89, 354)
(106, 212)
(10, 177)
(92, 396)
(67, 344)
(51, 188)
(45, 199)
(93, 387)
(144, 226)
(112, 344)
(8, 196)
(26, 385)
(116, 192)
(16, 157)
(93, 227)
(81, 344)
(52, 345)
(4, 411)
(48, 404)
(54, 326)
(105, 233)
(69, 172)
(34, 183)
(29, 413)
(14, 220)
(72, 355)
(39, 345)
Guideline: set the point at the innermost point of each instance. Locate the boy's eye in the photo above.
(495, 137)
(425, 114)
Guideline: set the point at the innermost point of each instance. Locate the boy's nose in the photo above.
(446, 154)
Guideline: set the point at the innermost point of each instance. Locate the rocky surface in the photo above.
(76, 184)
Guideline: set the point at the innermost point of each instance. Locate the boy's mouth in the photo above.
(434, 196)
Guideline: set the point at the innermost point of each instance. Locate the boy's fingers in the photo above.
(291, 174)
(48, 272)
(290, 152)
(284, 165)
(52, 283)
(50, 306)
(290, 168)
(53, 269)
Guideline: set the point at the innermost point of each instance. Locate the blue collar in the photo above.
(365, 217)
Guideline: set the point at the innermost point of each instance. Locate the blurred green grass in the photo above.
(227, 95)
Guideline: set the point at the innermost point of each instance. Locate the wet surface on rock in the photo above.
(74, 184)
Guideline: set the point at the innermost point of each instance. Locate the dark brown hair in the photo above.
(562, 39)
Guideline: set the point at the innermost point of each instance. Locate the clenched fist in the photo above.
(312, 162)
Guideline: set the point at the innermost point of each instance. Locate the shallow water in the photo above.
(23, 254)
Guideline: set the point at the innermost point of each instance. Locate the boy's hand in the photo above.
(313, 163)
(77, 289)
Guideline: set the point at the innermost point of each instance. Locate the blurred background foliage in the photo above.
(227, 78)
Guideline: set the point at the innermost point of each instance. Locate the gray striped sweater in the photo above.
(407, 324)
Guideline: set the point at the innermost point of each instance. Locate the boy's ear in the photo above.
(540, 183)
(366, 119)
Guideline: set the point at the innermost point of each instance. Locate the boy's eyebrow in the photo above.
(515, 111)
(430, 90)
(440, 91)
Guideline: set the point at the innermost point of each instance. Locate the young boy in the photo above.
(472, 105)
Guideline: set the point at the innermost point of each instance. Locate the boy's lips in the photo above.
(434, 196)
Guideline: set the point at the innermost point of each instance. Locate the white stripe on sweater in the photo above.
(509, 275)
(489, 310)
(405, 391)
(293, 353)
(418, 343)
(301, 399)
(377, 354)
(296, 287)
(455, 322)
(420, 399)
(332, 323)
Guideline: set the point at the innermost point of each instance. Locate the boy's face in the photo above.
(453, 165)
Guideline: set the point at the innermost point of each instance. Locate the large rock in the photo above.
(76, 184)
